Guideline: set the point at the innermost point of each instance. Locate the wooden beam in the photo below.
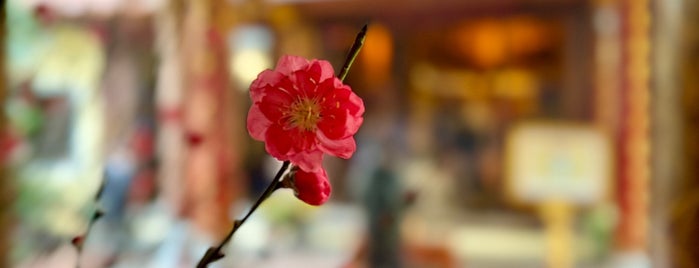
(408, 10)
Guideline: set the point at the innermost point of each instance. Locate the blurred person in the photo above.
(384, 205)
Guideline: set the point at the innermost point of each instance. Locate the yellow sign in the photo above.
(557, 161)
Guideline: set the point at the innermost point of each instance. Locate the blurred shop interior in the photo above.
(504, 133)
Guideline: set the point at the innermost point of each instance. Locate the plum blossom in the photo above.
(301, 110)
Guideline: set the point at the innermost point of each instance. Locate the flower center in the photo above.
(304, 114)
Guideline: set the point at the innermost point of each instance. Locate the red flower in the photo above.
(301, 110)
(312, 187)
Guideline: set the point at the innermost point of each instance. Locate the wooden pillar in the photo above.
(667, 125)
(607, 64)
(211, 170)
(634, 136)
(684, 221)
(169, 91)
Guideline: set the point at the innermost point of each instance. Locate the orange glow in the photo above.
(528, 35)
(484, 42)
(377, 54)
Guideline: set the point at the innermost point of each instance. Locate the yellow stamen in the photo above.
(304, 114)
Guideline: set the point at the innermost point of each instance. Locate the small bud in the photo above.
(78, 241)
(194, 139)
(98, 214)
(410, 198)
(312, 188)
(211, 255)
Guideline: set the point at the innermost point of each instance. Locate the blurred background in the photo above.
(501, 133)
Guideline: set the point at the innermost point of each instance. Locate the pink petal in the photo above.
(257, 123)
(277, 142)
(357, 103)
(338, 123)
(353, 106)
(288, 64)
(347, 99)
(334, 124)
(312, 188)
(304, 82)
(343, 112)
(264, 79)
(321, 70)
(274, 104)
(343, 148)
(353, 124)
(308, 161)
(304, 141)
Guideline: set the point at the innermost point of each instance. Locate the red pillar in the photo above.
(634, 135)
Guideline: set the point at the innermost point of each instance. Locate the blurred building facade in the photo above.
(154, 95)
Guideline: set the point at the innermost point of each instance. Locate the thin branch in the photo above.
(354, 51)
(214, 253)
(79, 241)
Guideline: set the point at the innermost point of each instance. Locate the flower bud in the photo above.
(312, 187)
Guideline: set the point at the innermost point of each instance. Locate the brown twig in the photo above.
(79, 241)
(214, 253)
(354, 51)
